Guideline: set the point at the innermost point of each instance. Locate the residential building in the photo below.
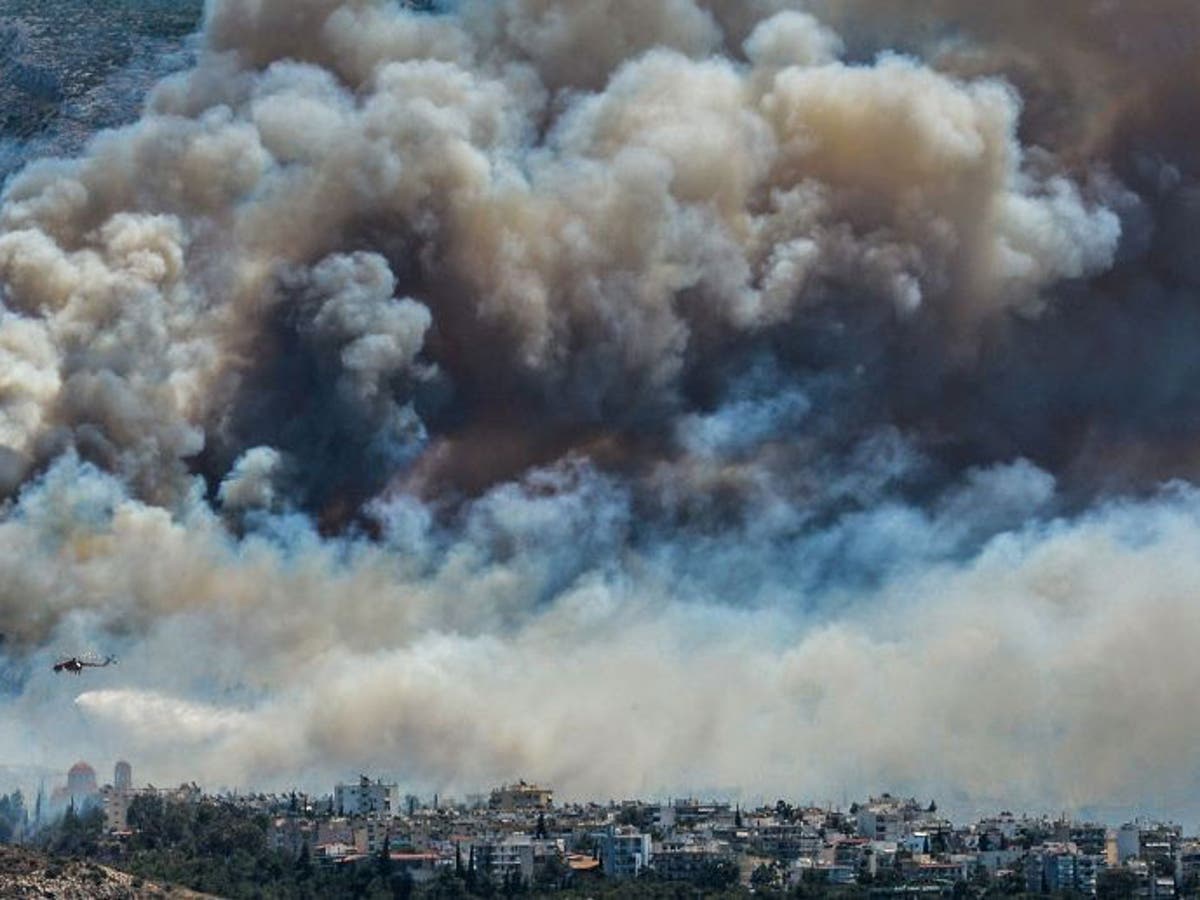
(1051, 869)
(1123, 844)
(521, 797)
(684, 859)
(516, 857)
(366, 798)
(624, 851)
(1088, 867)
(889, 818)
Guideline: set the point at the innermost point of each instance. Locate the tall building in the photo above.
(514, 858)
(1123, 844)
(123, 777)
(366, 798)
(889, 818)
(1052, 869)
(521, 797)
(624, 851)
(116, 808)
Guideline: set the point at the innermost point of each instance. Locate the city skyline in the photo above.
(520, 837)
(50, 779)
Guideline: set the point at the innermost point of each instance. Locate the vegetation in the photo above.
(12, 815)
(1115, 883)
(77, 834)
(221, 849)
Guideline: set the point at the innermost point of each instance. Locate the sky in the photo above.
(642, 397)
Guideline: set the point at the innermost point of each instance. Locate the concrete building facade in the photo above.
(366, 798)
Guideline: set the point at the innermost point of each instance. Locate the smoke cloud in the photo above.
(638, 396)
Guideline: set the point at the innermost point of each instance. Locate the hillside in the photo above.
(26, 873)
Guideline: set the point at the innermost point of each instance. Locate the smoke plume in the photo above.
(638, 396)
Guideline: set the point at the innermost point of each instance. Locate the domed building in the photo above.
(81, 782)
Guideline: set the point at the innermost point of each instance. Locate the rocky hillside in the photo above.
(26, 874)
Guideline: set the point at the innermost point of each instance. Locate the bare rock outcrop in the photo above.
(25, 873)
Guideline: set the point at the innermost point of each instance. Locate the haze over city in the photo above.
(647, 397)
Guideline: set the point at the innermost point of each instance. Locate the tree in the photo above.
(1008, 884)
(12, 815)
(402, 884)
(764, 877)
(470, 879)
(76, 834)
(511, 884)
(717, 875)
(447, 886)
(1115, 883)
(552, 876)
(304, 864)
(383, 860)
(483, 885)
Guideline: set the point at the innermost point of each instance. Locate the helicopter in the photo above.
(75, 665)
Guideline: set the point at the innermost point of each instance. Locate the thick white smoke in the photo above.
(452, 395)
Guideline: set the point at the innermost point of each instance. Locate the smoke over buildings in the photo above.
(792, 395)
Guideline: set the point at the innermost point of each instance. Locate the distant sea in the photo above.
(70, 68)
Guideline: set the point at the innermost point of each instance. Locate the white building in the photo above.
(624, 851)
(366, 798)
(513, 858)
(889, 818)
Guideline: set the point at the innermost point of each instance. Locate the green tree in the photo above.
(402, 884)
(552, 875)
(446, 886)
(764, 878)
(1112, 884)
(304, 863)
(76, 833)
(717, 875)
(383, 860)
(12, 815)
